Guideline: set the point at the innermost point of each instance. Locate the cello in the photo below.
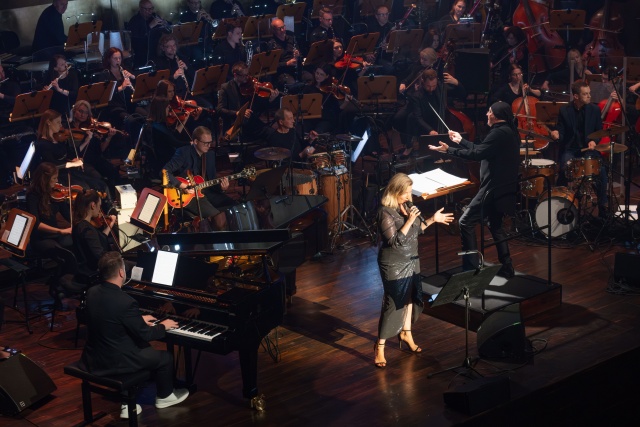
(527, 121)
(546, 47)
(605, 49)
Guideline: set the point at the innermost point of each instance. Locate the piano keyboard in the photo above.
(192, 328)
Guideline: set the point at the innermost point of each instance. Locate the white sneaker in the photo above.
(174, 398)
(124, 411)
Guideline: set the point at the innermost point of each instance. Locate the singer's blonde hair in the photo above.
(397, 185)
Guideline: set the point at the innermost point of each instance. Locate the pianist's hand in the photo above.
(149, 319)
(169, 324)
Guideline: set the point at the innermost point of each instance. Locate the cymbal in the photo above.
(348, 137)
(272, 153)
(34, 66)
(617, 148)
(535, 135)
(614, 130)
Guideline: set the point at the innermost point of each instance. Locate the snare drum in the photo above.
(304, 182)
(535, 186)
(587, 167)
(320, 162)
(339, 158)
(329, 189)
(564, 211)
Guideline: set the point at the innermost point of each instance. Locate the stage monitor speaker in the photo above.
(472, 69)
(501, 336)
(22, 383)
(478, 395)
(625, 268)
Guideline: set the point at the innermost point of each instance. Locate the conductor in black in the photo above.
(499, 156)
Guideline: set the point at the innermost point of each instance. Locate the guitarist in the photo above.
(197, 159)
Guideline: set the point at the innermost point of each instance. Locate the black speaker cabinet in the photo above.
(626, 269)
(472, 69)
(501, 336)
(478, 395)
(22, 383)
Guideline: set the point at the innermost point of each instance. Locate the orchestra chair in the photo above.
(21, 269)
(126, 386)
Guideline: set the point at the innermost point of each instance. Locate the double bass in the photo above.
(545, 45)
(605, 49)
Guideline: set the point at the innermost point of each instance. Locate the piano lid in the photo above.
(250, 242)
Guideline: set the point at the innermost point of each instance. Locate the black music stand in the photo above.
(257, 27)
(404, 44)
(265, 63)
(146, 84)
(464, 285)
(308, 106)
(363, 44)
(464, 34)
(377, 90)
(97, 95)
(78, 34)
(188, 33)
(319, 52)
(369, 7)
(547, 112)
(209, 79)
(567, 20)
(221, 29)
(266, 184)
(296, 10)
(30, 105)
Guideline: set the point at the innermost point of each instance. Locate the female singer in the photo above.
(399, 264)
(48, 239)
(90, 242)
(512, 90)
(63, 80)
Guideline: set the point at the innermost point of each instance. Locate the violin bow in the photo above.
(70, 199)
(75, 149)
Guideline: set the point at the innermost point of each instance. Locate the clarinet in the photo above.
(186, 83)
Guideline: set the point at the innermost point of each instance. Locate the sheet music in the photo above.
(148, 209)
(15, 235)
(165, 268)
(430, 182)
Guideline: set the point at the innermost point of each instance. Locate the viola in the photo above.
(335, 89)
(60, 193)
(254, 87)
(545, 45)
(605, 49)
(68, 134)
(349, 61)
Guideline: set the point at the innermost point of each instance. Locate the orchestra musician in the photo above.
(399, 264)
(195, 13)
(146, 28)
(499, 156)
(180, 74)
(513, 89)
(431, 39)
(515, 51)
(91, 241)
(49, 32)
(230, 50)
(331, 106)
(562, 76)
(197, 158)
(379, 23)
(458, 7)
(324, 30)
(118, 336)
(285, 40)
(62, 78)
(286, 136)
(9, 89)
(576, 122)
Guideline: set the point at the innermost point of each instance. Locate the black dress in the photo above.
(400, 272)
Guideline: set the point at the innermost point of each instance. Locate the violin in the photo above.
(335, 89)
(180, 110)
(67, 134)
(254, 87)
(102, 128)
(60, 193)
(349, 61)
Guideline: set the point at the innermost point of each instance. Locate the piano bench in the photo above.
(126, 385)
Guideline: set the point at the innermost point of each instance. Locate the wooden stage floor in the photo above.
(584, 370)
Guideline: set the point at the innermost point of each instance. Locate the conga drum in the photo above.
(337, 190)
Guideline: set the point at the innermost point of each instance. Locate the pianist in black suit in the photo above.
(118, 337)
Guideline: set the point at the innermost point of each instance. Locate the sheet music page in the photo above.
(165, 268)
(19, 224)
(149, 207)
(430, 182)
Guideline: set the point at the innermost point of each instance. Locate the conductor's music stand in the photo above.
(265, 63)
(97, 95)
(464, 34)
(30, 105)
(309, 106)
(257, 27)
(335, 6)
(187, 33)
(209, 79)
(464, 285)
(233, 131)
(363, 44)
(146, 84)
(319, 52)
(221, 29)
(567, 20)
(296, 10)
(404, 44)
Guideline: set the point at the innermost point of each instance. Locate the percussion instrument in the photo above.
(329, 189)
(587, 167)
(617, 148)
(534, 187)
(564, 211)
(304, 182)
(272, 153)
(613, 130)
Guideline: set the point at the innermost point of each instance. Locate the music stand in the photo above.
(97, 95)
(464, 285)
(78, 34)
(148, 210)
(17, 232)
(405, 43)
(319, 52)
(187, 33)
(369, 7)
(146, 84)
(310, 105)
(464, 34)
(266, 184)
(257, 27)
(363, 44)
(209, 79)
(30, 105)
(547, 112)
(296, 10)
(265, 63)
(568, 20)
(377, 90)
(221, 29)
(335, 6)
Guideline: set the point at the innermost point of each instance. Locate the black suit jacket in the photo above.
(567, 124)
(117, 333)
(187, 158)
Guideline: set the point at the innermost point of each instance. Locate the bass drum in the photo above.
(564, 211)
(329, 189)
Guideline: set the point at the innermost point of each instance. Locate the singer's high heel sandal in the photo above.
(404, 333)
(379, 363)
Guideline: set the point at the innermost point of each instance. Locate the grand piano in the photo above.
(220, 309)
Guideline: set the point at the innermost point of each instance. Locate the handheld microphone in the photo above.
(408, 206)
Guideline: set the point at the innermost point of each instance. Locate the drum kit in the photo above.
(327, 173)
(572, 203)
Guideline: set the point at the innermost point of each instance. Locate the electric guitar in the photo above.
(180, 198)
